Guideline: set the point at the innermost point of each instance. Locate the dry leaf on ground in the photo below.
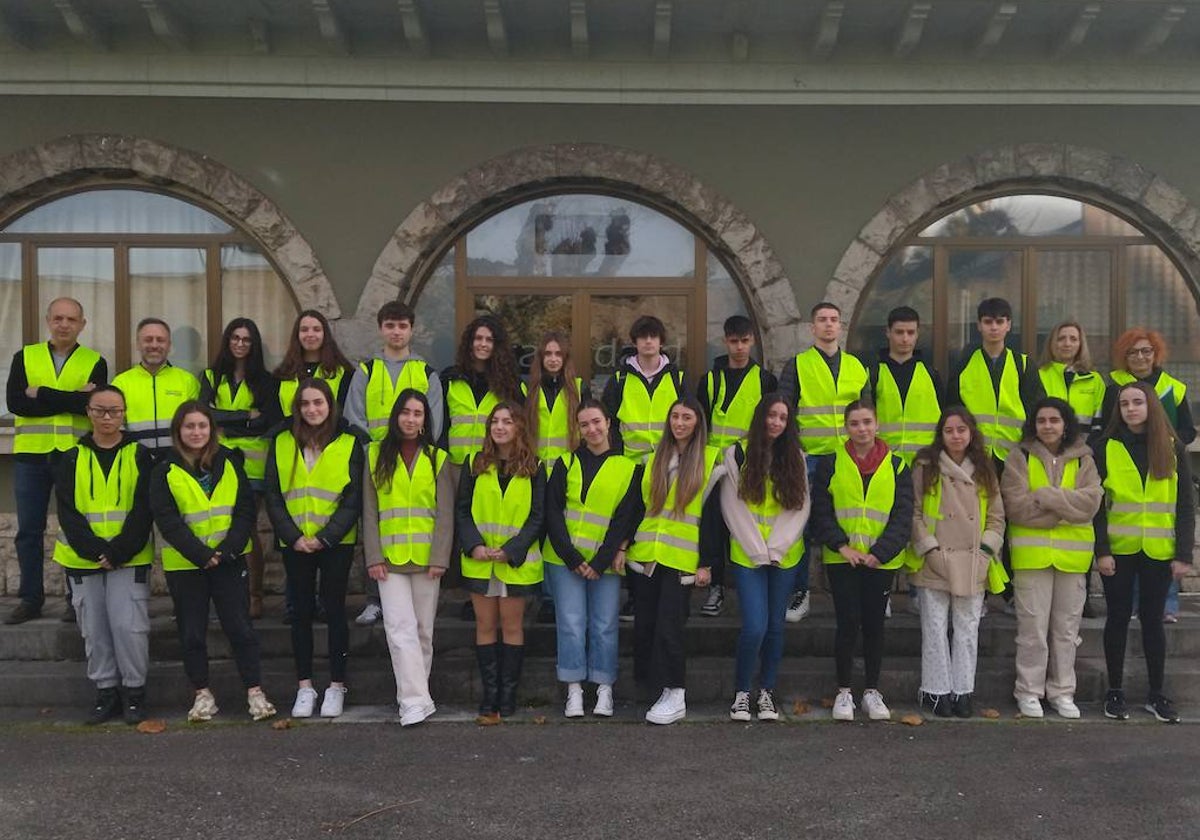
(990, 714)
(152, 727)
(826, 702)
(539, 719)
(281, 724)
(800, 708)
(912, 720)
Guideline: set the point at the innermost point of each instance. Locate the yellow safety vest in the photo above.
(554, 426)
(731, 425)
(289, 387)
(499, 515)
(588, 519)
(408, 507)
(57, 432)
(823, 401)
(931, 506)
(209, 517)
(468, 419)
(313, 496)
(253, 448)
(1085, 395)
(151, 400)
(1141, 515)
(906, 425)
(669, 538)
(863, 516)
(765, 514)
(1000, 418)
(1171, 392)
(641, 415)
(381, 392)
(1066, 547)
(105, 501)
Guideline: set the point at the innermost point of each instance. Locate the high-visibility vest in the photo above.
(554, 426)
(1141, 514)
(105, 501)
(468, 419)
(151, 400)
(931, 507)
(208, 517)
(57, 432)
(641, 414)
(909, 424)
(863, 516)
(408, 507)
(1171, 392)
(731, 425)
(381, 392)
(823, 401)
(1000, 418)
(1085, 395)
(1066, 547)
(312, 496)
(765, 514)
(669, 538)
(289, 387)
(499, 516)
(253, 448)
(588, 519)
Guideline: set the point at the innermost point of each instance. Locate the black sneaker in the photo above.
(962, 706)
(1161, 708)
(627, 610)
(715, 602)
(23, 612)
(135, 706)
(936, 704)
(1114, 705)
(107, 707)
(766, 705)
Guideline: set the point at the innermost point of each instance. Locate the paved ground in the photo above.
(978, 779)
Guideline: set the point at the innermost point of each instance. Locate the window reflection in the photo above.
(1030, 215)
(119, 211)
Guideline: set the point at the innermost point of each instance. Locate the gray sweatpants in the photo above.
(114, 618)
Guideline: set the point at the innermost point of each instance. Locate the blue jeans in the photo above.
(763, 593)
(33, 483)
(1172, 607)
(586, 618)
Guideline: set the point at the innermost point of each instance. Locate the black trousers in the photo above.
(1153, 579)
(660, 613)
(860, 598)
(333, 564)
(226, 587)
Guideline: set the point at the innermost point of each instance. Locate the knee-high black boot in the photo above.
(489, 677)
(512, 657)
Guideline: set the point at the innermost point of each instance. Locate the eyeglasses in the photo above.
(1144, 352)
(97, 411)
(237, 339)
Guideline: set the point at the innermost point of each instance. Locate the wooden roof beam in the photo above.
(80, 24)
(1074, 37)
(414, 28)
(330, 26)
(1002, 15)
(497, 32)
(663, 10)
(912, 29)
(827, 29)
(580, 44)
(1157, 33)
(165, 25)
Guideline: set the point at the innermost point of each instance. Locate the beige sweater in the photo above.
(1049, 506)
(786, 530)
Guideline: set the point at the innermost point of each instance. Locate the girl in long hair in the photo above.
(765, 503)
(484, 375)
(1067, 372)
(312, 351)
(957, 528)
(555, 393)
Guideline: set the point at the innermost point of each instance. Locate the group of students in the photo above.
(512, 486)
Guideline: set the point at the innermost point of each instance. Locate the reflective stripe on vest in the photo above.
(765, 513)
(588, 518)
(1085, 394)
(731, 424)
(57, 432)
(1141, 515)
(381, 392)
(863, 516)
(313, 496)
(906, 425)
(667, 537)
(408, 507)
(554, 431)
(499, 515)
(289, 387)
(1066, 547)
(822, 401)
(1000, 419)
(1171, 392)
(641, 414)
(105, 501)
(468, 419)
(208, 517)
(151, 400)
(253, 448)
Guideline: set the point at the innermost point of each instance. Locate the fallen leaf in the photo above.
(281, 724)
(990, 714)
(912, 720)
(488, 720)
(152, 727)
(826, 702)
(539, 719)
(800, 708)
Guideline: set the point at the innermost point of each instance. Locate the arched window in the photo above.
(1052, 257)
(126, 254)
(586, 264)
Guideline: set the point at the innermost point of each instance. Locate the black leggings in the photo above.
(334, 565)
(1153, 578)
(226, 587)
(860, 596)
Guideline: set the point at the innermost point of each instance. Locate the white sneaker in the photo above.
(335, 699)
(1031, 707)
(874, 706)
(887, 607)
(740, 710)
(799, 607)
(604, 701)
(306, 700)
(259, 706)
(843, 705)
(371, 613)
(574, 706)
(766, 705)
(416, 714)
(669, 708)
(203, 707)
(1065, 706)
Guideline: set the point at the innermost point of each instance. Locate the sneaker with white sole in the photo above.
(740, 710)
(370, 615)
(604, 701)
(1030, 707)
(259, 706)
(416, 714)
(766, 705)
(203, 707)
(1066, 708)
(306, 701)
(1162, 708)
(334, 702)
(574, 707)
(670, 707)
(843, 705)
(873, 705)
(887, 607)
(798, 609)
(715, 602)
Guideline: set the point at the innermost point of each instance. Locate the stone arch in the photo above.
(480, 191)
(1117, 183)
(32, 174)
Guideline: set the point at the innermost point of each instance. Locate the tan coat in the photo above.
(1049, 506)
(953, 547)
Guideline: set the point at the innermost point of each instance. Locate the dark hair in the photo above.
(993, 307)
(396, 310)
(1070, 421)
(105, 389)
(859, 405)
(152, 321)
(331, 361)
(592, 402)
(315, 436)
(781, 460)
(524, 461)
(389, 447)
(928, 457)
(903, 314)
(257, 378)
(569, 390)
(501, 368)
(209, 453)
(1160, 437)
(737, 326)
(648, 326)
(824, 305)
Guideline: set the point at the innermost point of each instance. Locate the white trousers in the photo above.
(948, 667)
(1049, 606)
(409, 605)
